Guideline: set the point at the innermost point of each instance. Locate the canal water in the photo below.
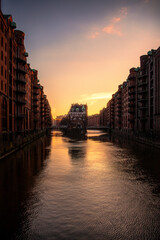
(78, 189)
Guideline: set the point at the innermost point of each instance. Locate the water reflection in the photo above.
(144, 159)
(103, 137)
(77, 152)
(18, 174)
(136, 157)
(96, 188)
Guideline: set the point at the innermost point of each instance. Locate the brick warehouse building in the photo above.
(22, 107)
(135, 107)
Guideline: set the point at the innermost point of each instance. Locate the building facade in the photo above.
(23, 105)
(135, 107)
(94, 120)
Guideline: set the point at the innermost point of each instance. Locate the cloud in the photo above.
(124, 11)
(94, 35)
(95, 96)
(116, 19)
(113, 28)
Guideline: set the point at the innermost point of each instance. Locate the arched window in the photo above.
(4, 115)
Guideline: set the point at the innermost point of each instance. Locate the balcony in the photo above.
(21, 59)
(26, 54)
(35, 111)
(13, 25)
(142, 74)
(142, 90)
(21, 101)
(131, 98)
(21, 69)
(35, 105)
(131, 84)
(142, 107)
(142, 83)
(35, 93)
(35, 86)
(131, 118)
(142, 118)
(131, 92)
(142, 98)
(151, 105)
(131, 104)
(20, 115)
(21, 91)
(19, 80)
(131, 110)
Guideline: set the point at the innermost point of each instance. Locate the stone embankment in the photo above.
(10, 143)
(144, 138)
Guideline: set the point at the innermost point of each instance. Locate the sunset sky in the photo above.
(83, 49)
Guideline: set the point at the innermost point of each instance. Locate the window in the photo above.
(10, 41)
(4, 114)
(2, 85)
(2, 27)
(2, 41)
(2, 55)
(2, 70)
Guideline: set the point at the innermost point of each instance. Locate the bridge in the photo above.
(102, 128)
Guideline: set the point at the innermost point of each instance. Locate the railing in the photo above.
(132, 97)
(35, 93)
(142, 98)
(20, 115)
(21, 59)
(21, 91)
(141, 83)
(36, 86)
(131, 110)
(142, 90)
(21, 101)
(21, 69)
(21, 80)
(143, 73)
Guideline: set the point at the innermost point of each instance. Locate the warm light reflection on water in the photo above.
(91, 188)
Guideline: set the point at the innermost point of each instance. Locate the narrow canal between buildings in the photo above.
(94, 188)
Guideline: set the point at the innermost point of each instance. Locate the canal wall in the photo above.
(10, 143)
(149, 138)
